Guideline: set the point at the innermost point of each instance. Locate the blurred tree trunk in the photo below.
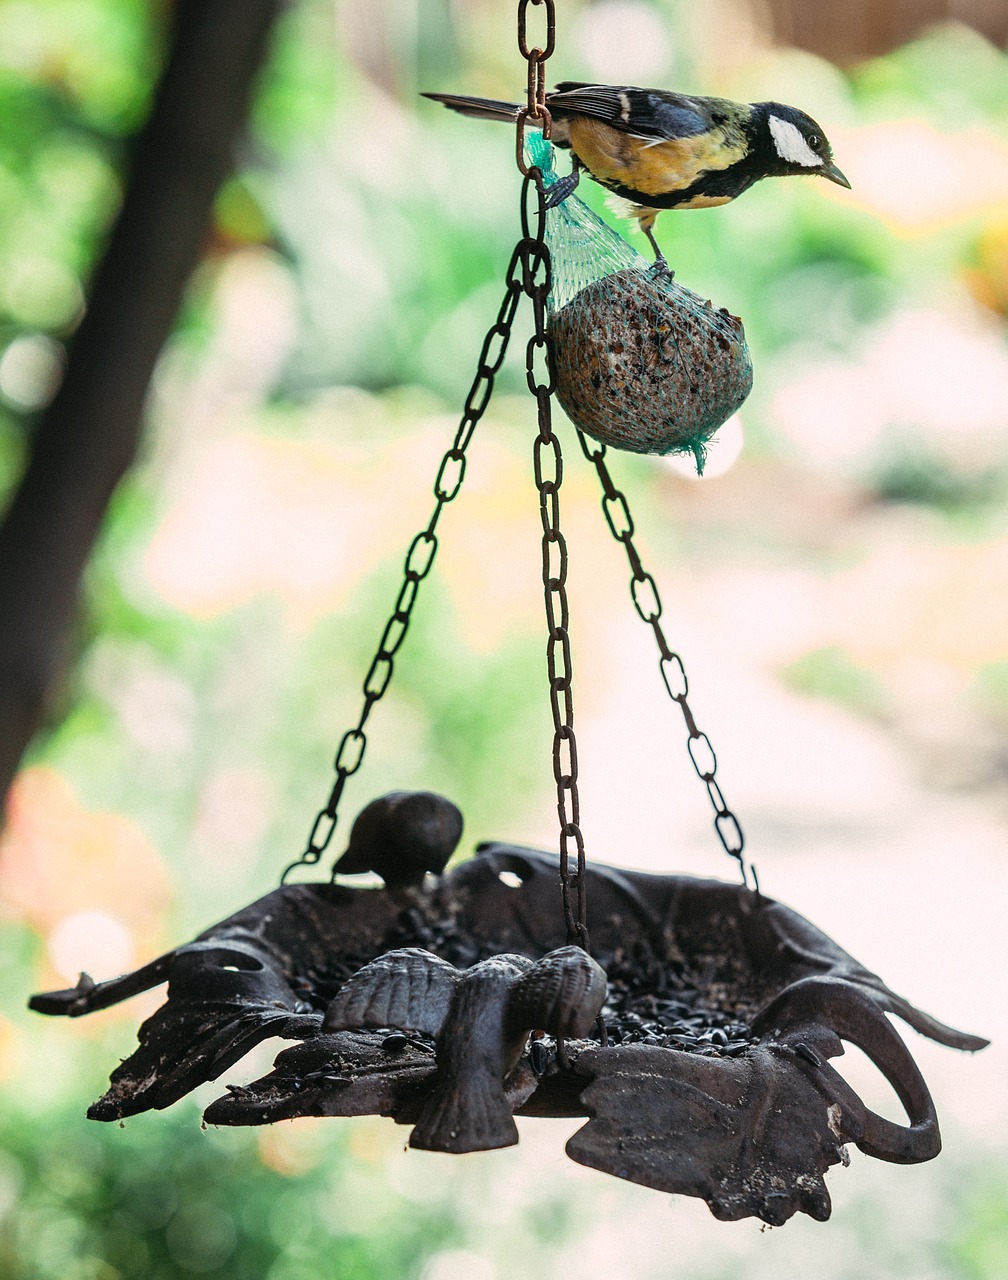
(88, 437)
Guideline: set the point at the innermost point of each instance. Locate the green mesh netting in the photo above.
(642, 363)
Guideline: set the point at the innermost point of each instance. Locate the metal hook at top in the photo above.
(535, 108)
(540, 54)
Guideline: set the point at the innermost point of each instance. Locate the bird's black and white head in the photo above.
(792, 143)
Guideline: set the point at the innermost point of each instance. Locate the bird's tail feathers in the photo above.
(480, 108)
(476, 1119)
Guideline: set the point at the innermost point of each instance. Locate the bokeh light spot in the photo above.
(90, 939)
(30, 371)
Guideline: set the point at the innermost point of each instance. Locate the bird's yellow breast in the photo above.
(652, 168)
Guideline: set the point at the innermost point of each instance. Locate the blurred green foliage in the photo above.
(979, 1244)
(829, 673)
(161, 1199)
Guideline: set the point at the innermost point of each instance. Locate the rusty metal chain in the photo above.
(647, 602)
(548, 464)
(419, 561)
(540, 374)
(529, 273)
(535, 108)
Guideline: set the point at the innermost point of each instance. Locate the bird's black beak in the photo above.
(833, 173)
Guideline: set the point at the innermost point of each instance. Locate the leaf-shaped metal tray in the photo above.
(723, 1011)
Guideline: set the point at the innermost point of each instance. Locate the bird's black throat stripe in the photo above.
(715, 184)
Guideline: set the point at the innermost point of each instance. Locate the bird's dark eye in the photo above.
(814, 141)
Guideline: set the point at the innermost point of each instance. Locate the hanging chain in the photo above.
(643, 588)
(419, 561)
(540, 374)
(548, 462)
(528, 273)
(647, 602)
(535, 101)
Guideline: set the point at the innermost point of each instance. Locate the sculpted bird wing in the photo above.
(409, 988)
(562, 993)
(646, 113)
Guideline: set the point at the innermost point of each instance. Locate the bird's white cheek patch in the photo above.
(790, 144)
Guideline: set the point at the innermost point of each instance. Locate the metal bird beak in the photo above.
(833, 173)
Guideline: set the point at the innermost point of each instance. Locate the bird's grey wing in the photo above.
(562, 993)
(646, 113)
(409, 988)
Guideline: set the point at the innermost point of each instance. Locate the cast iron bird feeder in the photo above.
(694, 1027)
(722, 1008)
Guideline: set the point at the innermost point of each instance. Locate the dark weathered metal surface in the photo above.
(480, 1019)
(724, 1010)
(754, 1136)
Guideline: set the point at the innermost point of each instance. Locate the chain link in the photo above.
(535, 108)
(647, 602)
(523, 45)
(419, 562)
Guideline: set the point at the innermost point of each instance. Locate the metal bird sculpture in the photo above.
(402, 836)
(480, 1019)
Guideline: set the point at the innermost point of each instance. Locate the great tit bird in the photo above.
(661, 150)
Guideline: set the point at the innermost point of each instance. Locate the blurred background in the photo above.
(836, 584)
